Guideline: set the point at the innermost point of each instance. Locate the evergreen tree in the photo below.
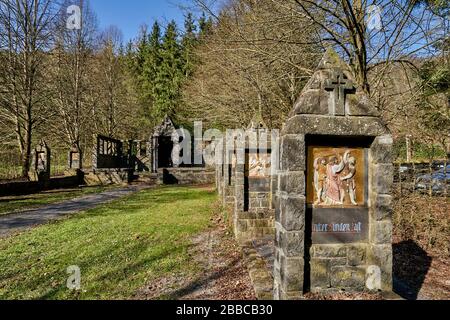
(141, 53)
(188, 44)
(205, 26)
(170, 74)
(161, 64)
(129, 56)
(151, 64)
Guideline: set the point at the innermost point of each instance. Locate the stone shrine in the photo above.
(108, 153)
(248, 182)
(333, 203)
(41, 159)
(74, 159)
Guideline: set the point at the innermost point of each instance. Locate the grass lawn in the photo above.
(119, 247)
(17, 203)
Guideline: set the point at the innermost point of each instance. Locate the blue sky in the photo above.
(129, 15)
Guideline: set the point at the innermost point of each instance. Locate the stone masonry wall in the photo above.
(332, 267)
(381, 178)
(256, 221)
(290, 219)
(227, 182)
(187, 176)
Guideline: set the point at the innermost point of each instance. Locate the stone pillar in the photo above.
(239, 187)
(75, 159)
(334, 202)
(41, 162)
(176, 159)
(198, 147)
(95, 152)
(228, 178)
(154, 152)
(225, 173)
(132, 153)
(290, 219)
(149, 155)
(220, 167)
(217, 177)
(381, 179)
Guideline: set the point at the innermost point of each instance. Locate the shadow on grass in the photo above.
(120, 273)
(411, 265)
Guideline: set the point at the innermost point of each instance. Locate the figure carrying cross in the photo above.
(340, 85)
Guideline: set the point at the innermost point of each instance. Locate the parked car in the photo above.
(438, 181)
(404, 169)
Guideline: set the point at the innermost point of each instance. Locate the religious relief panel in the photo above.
(257, 171)
(259, 165)
(336, 177)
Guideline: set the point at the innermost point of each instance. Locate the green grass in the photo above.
(17, 203)
(119, 247)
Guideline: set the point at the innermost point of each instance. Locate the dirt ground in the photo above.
(223, 276)
(421, 246)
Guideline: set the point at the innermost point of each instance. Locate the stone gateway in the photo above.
(164, 146)
(41, 159)
(333, 201)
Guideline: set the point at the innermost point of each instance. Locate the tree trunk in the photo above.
(357, 19)
(26, 153)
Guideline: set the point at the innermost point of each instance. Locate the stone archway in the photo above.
(165, 145)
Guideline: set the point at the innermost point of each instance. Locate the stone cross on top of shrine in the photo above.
(333, 91)
(340, 85)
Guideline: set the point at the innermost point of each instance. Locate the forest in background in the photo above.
(65, 86)
(230, 60)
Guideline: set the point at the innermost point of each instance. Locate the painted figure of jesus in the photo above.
(334, 183)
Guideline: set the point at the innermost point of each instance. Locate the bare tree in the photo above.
(111, 88)
(25, 37)
(370, 33)
(384, 42)
(72, 76)
(256, 60)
